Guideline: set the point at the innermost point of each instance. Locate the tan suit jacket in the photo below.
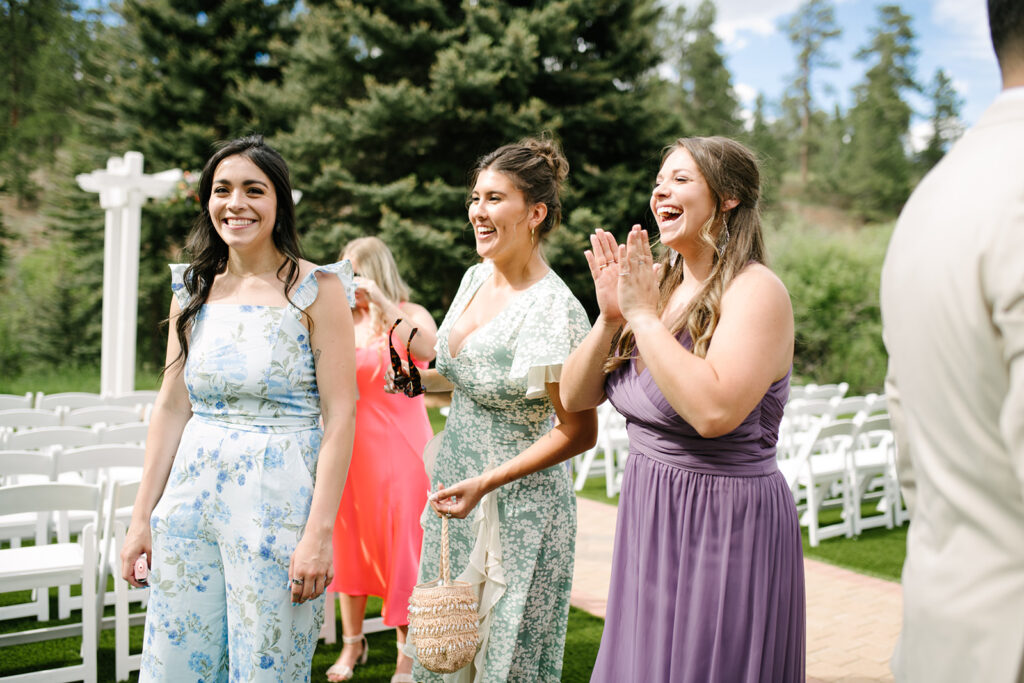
(953, 315)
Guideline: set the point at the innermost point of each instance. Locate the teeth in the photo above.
(484, 231)
(240, 221)
(668, 212)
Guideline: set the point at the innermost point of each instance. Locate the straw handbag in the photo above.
(443, 618)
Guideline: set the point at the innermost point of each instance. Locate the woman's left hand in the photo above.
(638, 277)
(311, 568)
(457, 500)
(370, 289)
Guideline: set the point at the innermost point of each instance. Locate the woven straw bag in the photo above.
(443, 618)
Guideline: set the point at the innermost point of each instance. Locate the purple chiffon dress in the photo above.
(707, 574)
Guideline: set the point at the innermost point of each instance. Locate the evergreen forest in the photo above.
(381, 107)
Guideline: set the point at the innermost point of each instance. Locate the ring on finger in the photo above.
(623, 273)
(603, 266)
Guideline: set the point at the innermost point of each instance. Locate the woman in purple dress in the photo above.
(707, 576)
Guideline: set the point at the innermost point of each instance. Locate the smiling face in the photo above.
(501, 217)
(681, 200)
(243, 203)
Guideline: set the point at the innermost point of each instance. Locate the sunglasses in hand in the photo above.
(407, 382)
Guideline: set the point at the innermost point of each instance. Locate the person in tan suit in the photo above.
(953, 316)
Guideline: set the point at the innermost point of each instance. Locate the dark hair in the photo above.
(730, 170)
(210, 253)
(537, 167)
(1006, 24)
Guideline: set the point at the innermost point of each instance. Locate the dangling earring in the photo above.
(533, 237)
(724, 237)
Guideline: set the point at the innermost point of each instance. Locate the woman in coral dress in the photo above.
(377, 534)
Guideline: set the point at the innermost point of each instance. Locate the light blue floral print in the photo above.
(237, 499)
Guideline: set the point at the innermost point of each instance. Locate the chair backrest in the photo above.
(26, 418)
(874, 430)
(11, 401)
(109, 415)
(131, 399)
(825, 391)
(49, 497)
(131, 432)
(854, 407)
(36, 465)
(46, 437)
(68, 399)
(101, 459)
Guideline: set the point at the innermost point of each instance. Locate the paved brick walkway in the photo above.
(852, 620)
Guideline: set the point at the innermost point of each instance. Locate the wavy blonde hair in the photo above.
(377, 263)
(731, 172)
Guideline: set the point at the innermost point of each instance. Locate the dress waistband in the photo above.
(265, 424)
(720, 462)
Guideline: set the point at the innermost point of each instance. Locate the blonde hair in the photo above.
(378, 264)
(730, 170)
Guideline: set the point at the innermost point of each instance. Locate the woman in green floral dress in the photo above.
(500, 350)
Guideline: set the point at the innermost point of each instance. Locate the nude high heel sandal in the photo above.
(340, 672)
(402, 678)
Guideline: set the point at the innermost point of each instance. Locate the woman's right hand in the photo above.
(604, 269)
(138, 541)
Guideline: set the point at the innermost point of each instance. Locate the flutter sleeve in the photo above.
(178, 283)
(555, 325)
(305, 294)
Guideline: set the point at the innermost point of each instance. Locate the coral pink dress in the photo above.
(377, 534)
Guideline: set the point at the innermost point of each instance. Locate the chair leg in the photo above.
(89, 630)
(329, 629)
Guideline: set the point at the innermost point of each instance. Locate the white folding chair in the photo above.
(49, 564)
(801, 420)
(131, 432)
(46, 437)
(102, 464)
(17, 468)
(873, 473)
(120, 500)
(613, 447)
(824, 480)
(12, 401)
(854, 408)
(68, 399)
(27, 418)
(107, 415)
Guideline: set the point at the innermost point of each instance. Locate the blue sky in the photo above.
(951, 34)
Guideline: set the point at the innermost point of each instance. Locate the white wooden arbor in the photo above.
(123, 189)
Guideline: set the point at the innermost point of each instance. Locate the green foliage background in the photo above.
(382, 106)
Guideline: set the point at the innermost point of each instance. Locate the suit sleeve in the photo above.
(1004, 279)
(904, 466)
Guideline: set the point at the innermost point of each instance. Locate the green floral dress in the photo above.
(518, 546)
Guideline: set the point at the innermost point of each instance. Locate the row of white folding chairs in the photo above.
(75, 399)
(86, 561)
(802, 417)
(818, 391)
(609, 454)
(845, 463)
(16, 419)
(73, 437)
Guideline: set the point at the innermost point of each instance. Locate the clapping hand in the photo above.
(637, 290)
(603, 260)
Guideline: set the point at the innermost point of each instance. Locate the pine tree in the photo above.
(876, 170)
(38, 43)
(945, 120)
(769, 148)
(173, 76)
(707, 102)
(809, 29)
(399, 99)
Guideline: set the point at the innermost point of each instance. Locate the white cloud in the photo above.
(734, 16)
(967, 21)
(747, 94)
(920, 133)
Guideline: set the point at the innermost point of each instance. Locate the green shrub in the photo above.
(833, 279)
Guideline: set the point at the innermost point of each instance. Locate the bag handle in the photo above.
(446, 576)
